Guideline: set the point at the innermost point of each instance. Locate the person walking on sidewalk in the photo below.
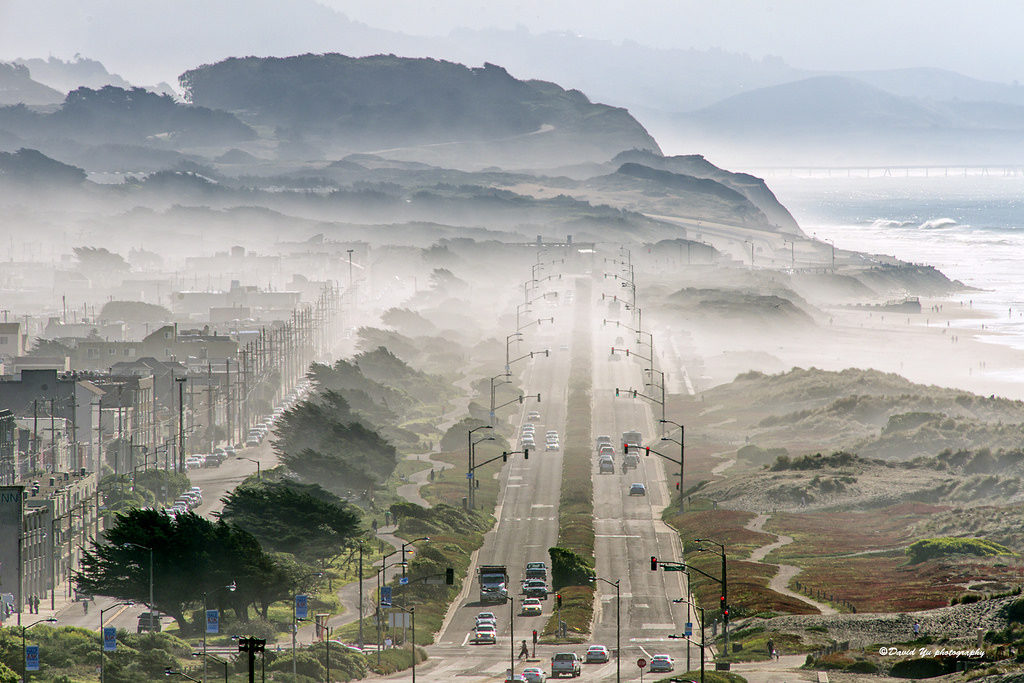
(524, 651)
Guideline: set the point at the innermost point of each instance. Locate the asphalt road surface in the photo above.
(628, 529)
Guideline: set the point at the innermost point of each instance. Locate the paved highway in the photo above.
(628, 529)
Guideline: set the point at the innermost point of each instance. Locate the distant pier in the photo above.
(1002, 171)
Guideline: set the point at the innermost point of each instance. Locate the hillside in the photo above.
(116, 115)
(17, 87)
(754, 189)
(403, 105)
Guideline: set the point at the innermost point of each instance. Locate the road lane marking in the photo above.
(616, 535)
(542, 505)
(657, 627)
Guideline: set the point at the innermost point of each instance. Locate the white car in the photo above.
(597, 653)
(485, 633)
(486, 618)
(552, 446)
(661, 663)
(534, 674)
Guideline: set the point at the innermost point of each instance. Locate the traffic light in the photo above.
(634, 391)
(625, 448)
(616, 388)
(449, 576)
(647, 450)
(534, 636)
(677, 486)
(627, 353)
(526, 453)
(558, 600)
(654, 563)
(504, 456)
(613, 353)
(721, 602)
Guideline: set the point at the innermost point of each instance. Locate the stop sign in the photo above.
(641, 662)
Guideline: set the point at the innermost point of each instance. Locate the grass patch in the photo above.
(710, 676)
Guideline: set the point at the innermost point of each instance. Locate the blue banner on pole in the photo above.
(385, 596)
(688, 631)
(212, 621)
(109, 638)
(404, 581)
(301, 606)
(32, 658)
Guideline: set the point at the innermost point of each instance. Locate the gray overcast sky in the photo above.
(147, 40)
(980, 38)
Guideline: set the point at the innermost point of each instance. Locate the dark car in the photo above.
(149, 621)
(533, 588)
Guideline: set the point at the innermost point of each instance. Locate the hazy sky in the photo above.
(146, 40)
(980, 37)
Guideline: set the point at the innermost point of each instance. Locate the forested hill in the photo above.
(392, 102)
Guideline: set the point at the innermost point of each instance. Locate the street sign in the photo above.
(469, 475)
(404, 581)
(301, 606)
(398, 619)
(641, 662)
(32, 658)
(673, 567)
(688, 631)
(212, 621)
(109, 638)
(385, 596)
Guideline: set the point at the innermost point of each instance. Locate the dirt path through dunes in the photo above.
(780, 581)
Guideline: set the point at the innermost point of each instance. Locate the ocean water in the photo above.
(969, 225)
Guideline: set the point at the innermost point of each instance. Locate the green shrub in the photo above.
(930, 548)
(863, 666)
(969, 598)
(1015, 611)
(922, 667)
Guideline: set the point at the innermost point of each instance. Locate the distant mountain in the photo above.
(31, 167)
(417, 109)
(67, 76)
(839, 120)
(940, 85)
(17, 87)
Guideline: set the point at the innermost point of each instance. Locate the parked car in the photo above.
(597, 653)
(637, 489)
(661, 663)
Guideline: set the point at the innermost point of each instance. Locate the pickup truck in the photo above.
(566, 664)
(537, 570)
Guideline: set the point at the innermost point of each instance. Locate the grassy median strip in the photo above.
(576, 502)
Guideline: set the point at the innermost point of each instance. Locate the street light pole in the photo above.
(725, 591)
(230, 587)
(469, 464)
(143, 547)
(102, 645)
(702, 645)
(618, 625)
(259, 474)
(682, 456)
(24, 651)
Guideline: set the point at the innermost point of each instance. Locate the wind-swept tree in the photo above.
(190, 555)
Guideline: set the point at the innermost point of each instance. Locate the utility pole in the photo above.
(210, 422)
(181, 423)
(229, 403)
